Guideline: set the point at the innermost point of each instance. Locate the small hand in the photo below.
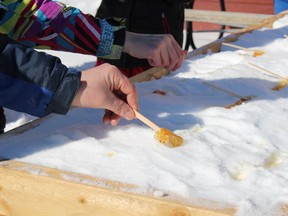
(161, 50)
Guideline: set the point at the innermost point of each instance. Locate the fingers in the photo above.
(116, 111)
(159, 49)
(168, 54)
(110, 117)
(180, 56)
(121, 101)
(106, 87)
(178, 65)
(126, 91)
(122, 109)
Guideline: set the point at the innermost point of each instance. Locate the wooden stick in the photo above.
(235, 46)
(270, 72)
(236, 19)
(146, 121)
(255, 52)
(224, 90)
(28, 189)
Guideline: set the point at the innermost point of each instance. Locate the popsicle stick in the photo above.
(146, 121)
(267, 71)
(255, 52)
(236, 46)
(224, 90)
(283, 81)
(163, 135)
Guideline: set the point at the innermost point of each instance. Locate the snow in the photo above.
(237, 156)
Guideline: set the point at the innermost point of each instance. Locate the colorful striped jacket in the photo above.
(34, 82)
(50, 24)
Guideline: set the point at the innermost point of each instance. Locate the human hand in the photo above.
(161, 50)
(106, 87)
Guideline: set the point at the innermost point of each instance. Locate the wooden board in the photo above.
(31, 190)
(252, 7)
(235, 19)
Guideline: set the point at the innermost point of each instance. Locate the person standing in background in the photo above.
(280, 5)
(144, 16)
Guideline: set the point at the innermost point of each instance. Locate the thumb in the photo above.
(119, 107)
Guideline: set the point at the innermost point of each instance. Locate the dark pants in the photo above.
(2, 120)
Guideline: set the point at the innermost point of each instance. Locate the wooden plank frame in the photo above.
(27, 189)
(55, 192)
(235, 19)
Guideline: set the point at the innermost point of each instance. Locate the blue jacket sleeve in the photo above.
(35, 82)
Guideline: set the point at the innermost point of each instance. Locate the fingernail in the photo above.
(129, 115)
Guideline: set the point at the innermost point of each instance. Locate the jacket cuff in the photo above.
(112, 38)
(65, 93)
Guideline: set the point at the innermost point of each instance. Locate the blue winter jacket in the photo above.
(35, 82)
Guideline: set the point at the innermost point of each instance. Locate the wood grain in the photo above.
(24, 193)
